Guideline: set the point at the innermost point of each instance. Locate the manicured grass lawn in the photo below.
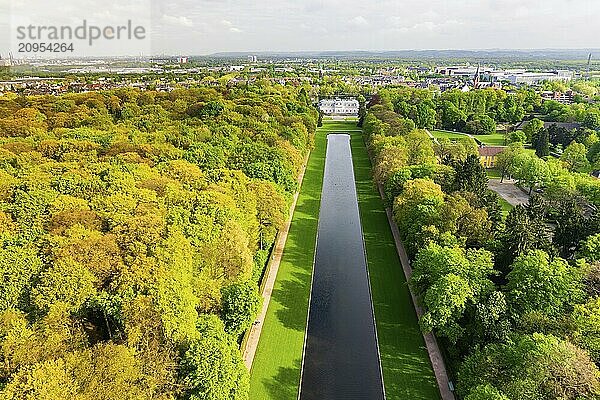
(447, 135)
(506, 207)
(496, 139)
(275, 372)
(276, 368)
(339, 126)
(493, 173)
(406, 367)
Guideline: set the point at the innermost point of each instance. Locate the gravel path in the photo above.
(509, 191)
(435, 355)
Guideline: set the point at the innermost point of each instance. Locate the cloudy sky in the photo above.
(207, 26)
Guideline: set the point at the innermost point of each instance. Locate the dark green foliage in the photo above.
(530, 367)
(541, 143)
(574, 220)
(470, 176)
(592, 120)
(481, 125)
(524, 230)
(211, 367)
(241, 302)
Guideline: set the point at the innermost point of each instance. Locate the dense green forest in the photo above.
(134, 230)
(480, 111)
(135, 227)
(514, 301)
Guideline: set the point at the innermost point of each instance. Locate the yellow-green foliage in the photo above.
(125, 219)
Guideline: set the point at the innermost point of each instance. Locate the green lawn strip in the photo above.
(493, 173)
(405, 362)
(495, 139)
(447, 135)
(506, 206)
(276, 368)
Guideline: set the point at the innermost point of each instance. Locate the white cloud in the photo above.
(230, 26)
(174, 20)
(359, 22)
(206, 26)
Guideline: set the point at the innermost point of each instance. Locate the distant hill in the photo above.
(547, 54)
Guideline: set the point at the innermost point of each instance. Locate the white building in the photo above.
(339, 106)
(466, 71)
(532, 78)
(514, 76)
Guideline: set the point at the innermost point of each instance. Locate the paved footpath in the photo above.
(253, 335)
(432, 137)
(435, 355)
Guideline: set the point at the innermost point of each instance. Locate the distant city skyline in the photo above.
(202, 27)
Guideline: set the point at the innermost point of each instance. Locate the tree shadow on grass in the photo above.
(292, 289)
(293, 295)
(412, 377)
(284, 386)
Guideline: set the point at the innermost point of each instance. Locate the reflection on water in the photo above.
(341, 360)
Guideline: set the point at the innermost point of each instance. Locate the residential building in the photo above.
(570, 126)
(567, 97)
(488, 155)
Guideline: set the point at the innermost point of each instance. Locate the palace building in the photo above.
(339, 106)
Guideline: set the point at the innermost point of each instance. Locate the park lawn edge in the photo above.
(406, 366)
(276, 368)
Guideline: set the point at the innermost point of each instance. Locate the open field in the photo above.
(276, 368)
(407, 371)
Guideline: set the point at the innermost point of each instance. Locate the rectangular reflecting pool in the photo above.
(341, 359)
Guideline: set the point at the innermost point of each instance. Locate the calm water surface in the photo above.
(341, 359)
